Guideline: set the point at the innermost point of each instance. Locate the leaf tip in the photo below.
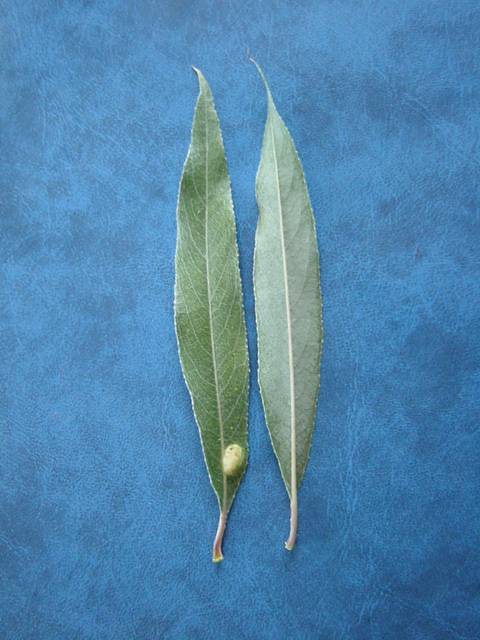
(264, 80)
(259, 68)
(202, 83)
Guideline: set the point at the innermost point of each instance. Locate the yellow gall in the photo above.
(233, 458)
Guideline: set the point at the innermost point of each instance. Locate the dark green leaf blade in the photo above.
(209, 316)
(287, 303)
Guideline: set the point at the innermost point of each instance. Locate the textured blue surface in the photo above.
(106, 513)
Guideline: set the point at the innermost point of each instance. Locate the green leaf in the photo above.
(209, 317)
(287, 303)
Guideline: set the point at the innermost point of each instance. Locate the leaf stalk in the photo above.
(217, 555)
(290, 543)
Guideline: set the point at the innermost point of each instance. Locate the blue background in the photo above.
(106, 513)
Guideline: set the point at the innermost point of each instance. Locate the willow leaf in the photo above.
(287, 303)
(209, 317)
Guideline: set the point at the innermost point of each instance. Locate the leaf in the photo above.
(209, 317)
(287, 304)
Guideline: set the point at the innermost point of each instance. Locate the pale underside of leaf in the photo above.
(287, 303)
(209, 316)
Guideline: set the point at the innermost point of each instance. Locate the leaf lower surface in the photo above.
(287, 300)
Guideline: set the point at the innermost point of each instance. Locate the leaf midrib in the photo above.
(210, 317)
(293, 465)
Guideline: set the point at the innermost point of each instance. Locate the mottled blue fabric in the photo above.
(106, 513)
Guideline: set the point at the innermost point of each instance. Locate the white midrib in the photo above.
(293, 439)
(210, 317)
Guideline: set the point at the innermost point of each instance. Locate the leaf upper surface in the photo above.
(209, 316)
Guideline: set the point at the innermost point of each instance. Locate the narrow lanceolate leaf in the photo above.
(288, 304)
(209, 317)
